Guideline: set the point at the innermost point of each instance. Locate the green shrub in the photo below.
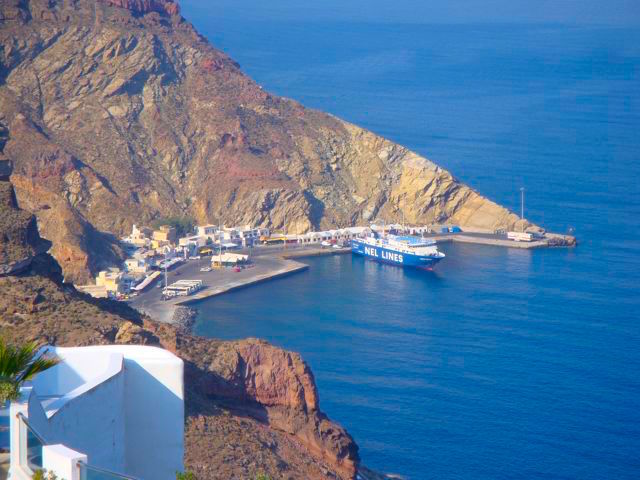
(185, 476)
(183, 225)
(44, 475)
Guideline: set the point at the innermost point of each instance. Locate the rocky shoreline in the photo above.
(184, 318)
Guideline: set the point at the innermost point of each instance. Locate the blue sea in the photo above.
(500, 364)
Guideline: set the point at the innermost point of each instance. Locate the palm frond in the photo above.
(21, 363)
(38, 365)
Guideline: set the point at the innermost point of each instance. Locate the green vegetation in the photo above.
(19, 364)
(44, 475)
(263, 476)
(183, 225)
(185, 476)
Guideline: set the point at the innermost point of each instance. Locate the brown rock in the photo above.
(116, 112)
(146, 6)
(129, 332)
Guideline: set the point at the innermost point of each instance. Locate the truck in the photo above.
(520, 236)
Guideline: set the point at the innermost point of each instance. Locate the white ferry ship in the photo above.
(399, 250)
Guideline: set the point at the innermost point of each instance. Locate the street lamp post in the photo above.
(219, 242)
(522, 206)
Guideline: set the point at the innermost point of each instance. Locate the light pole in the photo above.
(219, 242)
(522, 205)
(166, 280)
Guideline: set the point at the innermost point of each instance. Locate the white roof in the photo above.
(187, 282)
(228, 257)
(83, 368)
(146, 281)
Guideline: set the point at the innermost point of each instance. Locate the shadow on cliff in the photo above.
(44, 265)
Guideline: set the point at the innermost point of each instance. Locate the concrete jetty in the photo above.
(500, 240)
(216, 282)
(212, 291)
(314, 252)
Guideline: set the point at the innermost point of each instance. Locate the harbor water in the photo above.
(502, 363)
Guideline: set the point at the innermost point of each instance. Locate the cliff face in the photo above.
(251, 407)
(118, 111)
(19, 238)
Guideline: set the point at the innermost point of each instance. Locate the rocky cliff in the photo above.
(19, 238)
(118, 111)
(251, 407)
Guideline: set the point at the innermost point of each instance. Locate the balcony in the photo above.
(37, 454)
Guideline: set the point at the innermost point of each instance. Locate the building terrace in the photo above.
(112, 411)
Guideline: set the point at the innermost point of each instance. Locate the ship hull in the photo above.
(385, 255)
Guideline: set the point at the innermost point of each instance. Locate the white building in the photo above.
(192, 240)
(182, 288)
(227, 258)
(251, 236)
(136, 265)
(239, 236)
(339, 236)
(139, 237)
(206, 230)
(117, 408)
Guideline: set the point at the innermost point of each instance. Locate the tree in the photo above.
(19, 364)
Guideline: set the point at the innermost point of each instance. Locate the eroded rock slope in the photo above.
(118, 111)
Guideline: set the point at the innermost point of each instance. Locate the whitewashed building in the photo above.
(139, 237)
(136, 265)
(339, 236)
(103, 411)
(206, 230)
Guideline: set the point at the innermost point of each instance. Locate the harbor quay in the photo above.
(266, 263)
(502, 239)
(166, 272)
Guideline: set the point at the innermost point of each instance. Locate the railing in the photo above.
(89, 472)
(31, 456)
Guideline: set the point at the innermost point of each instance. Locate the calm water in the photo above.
(502, 363)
